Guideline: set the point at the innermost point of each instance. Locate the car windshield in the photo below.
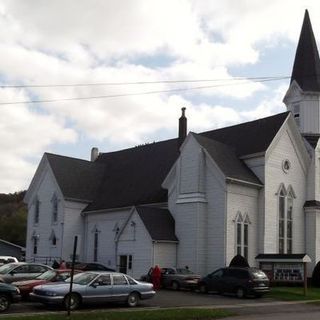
(7, 268)
(48, 275)
(83, 278)
(258, 274)
(184, 271)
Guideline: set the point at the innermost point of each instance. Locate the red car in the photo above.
(60, 275)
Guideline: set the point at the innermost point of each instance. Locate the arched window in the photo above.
(53, 238)
(36, 211)
(54, 202)
(242, 234)
(95, 243)
(286, 199)
(35, 238)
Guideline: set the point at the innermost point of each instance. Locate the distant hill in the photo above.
(13, 218)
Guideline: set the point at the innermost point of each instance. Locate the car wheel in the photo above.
(75, 301)
(4, 303)
(203, 288)
(133, 299)
(175, 285)
(240, 292)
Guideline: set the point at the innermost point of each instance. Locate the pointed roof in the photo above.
(159, 223)
(306, 68)
(227, 160)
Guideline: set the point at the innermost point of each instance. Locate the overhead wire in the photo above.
(257, 79)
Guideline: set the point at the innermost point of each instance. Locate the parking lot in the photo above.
(163, 299)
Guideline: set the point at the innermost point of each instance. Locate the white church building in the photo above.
(199, 199)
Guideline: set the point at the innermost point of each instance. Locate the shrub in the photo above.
(239, 261)
(316, 275)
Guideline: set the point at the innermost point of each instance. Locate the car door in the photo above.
(18, 273)
(214, 281)
(35, 270)
(120, 288)
(100, 290)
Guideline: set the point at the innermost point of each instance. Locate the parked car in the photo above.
(238, 281)
(94, 287)
(21, 271)
(89, 266)
(7, 259)
(177, 278)
(8, 294)
(49, 276)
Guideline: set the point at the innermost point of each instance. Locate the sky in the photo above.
(115, 74)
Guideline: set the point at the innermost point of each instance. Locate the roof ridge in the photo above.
(67, 157)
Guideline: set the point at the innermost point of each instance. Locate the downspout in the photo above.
(225, 224)
(62, 230)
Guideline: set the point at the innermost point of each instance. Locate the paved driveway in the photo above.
(169, 298)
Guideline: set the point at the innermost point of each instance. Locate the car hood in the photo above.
(58, 287)
(29, 282)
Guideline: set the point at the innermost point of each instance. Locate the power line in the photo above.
(138, 93)
(138, 82)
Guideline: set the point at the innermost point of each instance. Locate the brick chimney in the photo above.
(182, 127)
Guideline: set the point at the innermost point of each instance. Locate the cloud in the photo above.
(74, 42)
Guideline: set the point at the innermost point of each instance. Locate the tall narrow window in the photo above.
(239, 234)
(36, 211)
(286, 219)
(53, 238)
(289, 223)
(95, 245)
(281, 221)
(296, 113)
(54, 202)
(242, 235)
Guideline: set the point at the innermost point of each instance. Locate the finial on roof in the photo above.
(306, 68)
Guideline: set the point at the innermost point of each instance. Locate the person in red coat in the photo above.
(156, 277)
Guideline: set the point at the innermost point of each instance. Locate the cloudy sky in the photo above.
(138, 62)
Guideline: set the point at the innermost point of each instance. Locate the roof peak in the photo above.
(306, 67)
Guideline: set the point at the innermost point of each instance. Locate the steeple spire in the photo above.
(306, 68)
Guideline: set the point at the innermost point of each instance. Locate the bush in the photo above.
(239, 261)
(316, 275)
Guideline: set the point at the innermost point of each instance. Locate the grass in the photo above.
(170, 314)
(294, 293)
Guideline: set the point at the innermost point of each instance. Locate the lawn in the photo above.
(293, 293)
(171, 314)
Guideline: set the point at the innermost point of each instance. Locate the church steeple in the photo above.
(306, 68)
(303, 95)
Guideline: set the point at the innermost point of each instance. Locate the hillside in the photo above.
(13, 218)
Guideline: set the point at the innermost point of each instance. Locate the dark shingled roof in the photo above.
(134, 176)
(306, 68)
(249, 137)
(312, 203)
(226, 159)
(77, 179)
(158, 222)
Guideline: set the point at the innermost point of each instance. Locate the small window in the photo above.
(21, 269)
(131, 281)
(35, 245)
(37, 269)
(296, 113)
(37, 211)
(54, 208)
(119, 280)
(130, 262)
(218, 273)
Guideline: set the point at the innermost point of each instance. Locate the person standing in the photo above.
(156, 277)
(62, 265)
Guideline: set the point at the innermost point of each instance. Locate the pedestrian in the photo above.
(156, 277)
(55, 264)
(62, 265)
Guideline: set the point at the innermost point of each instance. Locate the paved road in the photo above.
(263, 308)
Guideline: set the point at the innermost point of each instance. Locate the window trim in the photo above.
(285, 243)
